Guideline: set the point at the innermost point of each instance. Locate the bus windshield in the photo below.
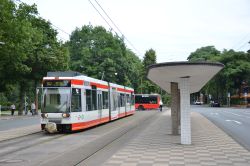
(56, 100)
(146, 99)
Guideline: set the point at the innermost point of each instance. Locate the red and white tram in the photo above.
(78, 102)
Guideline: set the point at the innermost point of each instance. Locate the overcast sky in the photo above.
(173, 28)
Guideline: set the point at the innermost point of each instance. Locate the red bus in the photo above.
(147, 101)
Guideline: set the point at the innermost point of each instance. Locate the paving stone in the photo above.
(210, 146)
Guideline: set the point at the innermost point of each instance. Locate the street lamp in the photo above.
(2, 43)
(102, 75)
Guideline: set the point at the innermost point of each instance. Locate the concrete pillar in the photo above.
(185, 110)
(179, 110)
(174, 107)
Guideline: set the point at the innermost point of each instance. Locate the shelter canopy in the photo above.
(199, 73)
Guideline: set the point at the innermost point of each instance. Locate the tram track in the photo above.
(76, 149)
(80, 155)
(17, 144)
(117, 142)
(18, 137)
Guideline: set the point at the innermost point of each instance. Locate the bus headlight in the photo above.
(44, 115)
(65, 115)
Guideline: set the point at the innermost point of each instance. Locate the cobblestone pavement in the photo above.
(156, 146)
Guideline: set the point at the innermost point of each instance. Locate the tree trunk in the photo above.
(35, 85)
(36, 96)
(21, 99)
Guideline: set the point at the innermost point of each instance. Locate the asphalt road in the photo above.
(235, 122)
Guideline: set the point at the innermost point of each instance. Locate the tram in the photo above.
(76, 102)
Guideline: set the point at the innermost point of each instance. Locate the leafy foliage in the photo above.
(30, 48)
(204, 54)
(102, 55)
(236, 70)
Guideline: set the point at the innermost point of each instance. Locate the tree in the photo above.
(8, 87)
(248, 51)
(237, 68)
(31, 48)
(135, 70)
(149, 58)
(204, 54)
(230, 78)
(98, 53)
(147, 86)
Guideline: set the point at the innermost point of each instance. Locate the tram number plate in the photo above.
(57, 121)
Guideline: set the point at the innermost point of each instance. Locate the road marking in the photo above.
(233, 114)
(236, 114)
(235, 121)
(212, 113)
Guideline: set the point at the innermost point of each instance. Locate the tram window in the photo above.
(56, 100)
(76, 100)
(122, 100)
(94, 100)
(118, 100)
(105, 100)
(133, 99)
(99, 101)
(115, 102)
(128, 99)
(88, 100)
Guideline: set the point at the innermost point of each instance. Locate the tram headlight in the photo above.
(44, 115)
(65, 115)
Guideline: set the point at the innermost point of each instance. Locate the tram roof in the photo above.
(86, 78)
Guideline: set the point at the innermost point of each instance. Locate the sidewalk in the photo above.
(156, 146)
(5, 116)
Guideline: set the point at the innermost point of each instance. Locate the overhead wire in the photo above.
(100, 14)
(123, 36)
(19, 2)
(61, 31)
(242, 46)
(116, 26)
(138, 52)
(239, 44)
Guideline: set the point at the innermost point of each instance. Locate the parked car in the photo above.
(5, 108)
(215, 103)
(198, 103)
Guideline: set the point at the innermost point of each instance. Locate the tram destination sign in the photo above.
(56, 83)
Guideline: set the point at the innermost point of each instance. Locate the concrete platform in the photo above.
(156, 146)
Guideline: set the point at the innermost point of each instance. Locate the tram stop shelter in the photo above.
(181, 79)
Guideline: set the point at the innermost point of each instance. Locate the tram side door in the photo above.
(127, 102)
(99, 103)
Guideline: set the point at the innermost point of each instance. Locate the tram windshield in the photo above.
(56, 100)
